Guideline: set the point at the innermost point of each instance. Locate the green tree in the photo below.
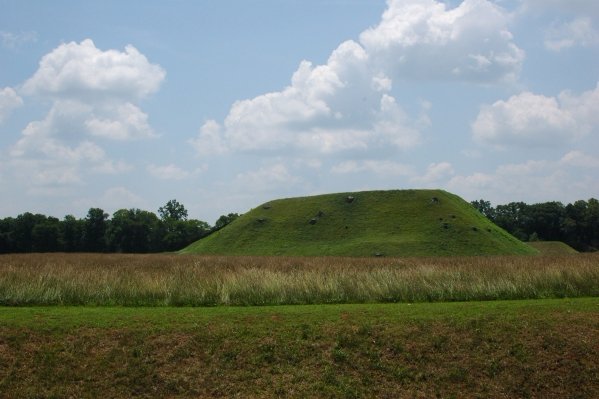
(485, 208)
(593, 224)
(580, 225)
(178, 234)
(23, 231)
(224, 220)
(173, 210)
(45, 236)
(545, 219)
(514, 217)
(7, 242)
(95, 226)
(177, 230)
(71, 231)
(133, 231)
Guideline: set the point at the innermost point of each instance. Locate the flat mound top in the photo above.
(553, 248)
(369, 223)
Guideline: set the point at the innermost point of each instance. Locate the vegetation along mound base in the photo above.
(553, 248)
(369, 223)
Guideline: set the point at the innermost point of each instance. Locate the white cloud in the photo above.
(426, 39)
(536, 120)
(93, 94)
(378, 168)
(339, 106)
(345, 105)
(13, 40)
(580, 159)
(9, 101)
(566, 179)
(110, 167)
(578, 32)
(46, 174)
(209, 140)
(123, 121)
(270, 178)
(73, 119)
(116, 198)
(54, 149)
(309, 163)
(110, 200)
(81, 70)
(51, 163)
(436, 174)
(584, 108)
(168, 172)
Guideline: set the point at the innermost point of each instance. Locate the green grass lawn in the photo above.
(538, 348)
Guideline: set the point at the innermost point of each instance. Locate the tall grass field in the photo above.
(193, 280)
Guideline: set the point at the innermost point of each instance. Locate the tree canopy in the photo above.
(576, 224)
(128, 230)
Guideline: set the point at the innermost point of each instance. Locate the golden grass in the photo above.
(192, 280)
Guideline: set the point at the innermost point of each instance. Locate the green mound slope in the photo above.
(552, 248)
(370, 223)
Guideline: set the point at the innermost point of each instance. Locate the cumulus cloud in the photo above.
(119, 122)
(116, 198)
(168, 172)
(93, 94)
(9, 101)
(537, 120)
(436, 174)
(266, 178)
(81, 70)
(568, 178)
(50, 162)
(426, 39)
(346, 105)
(580, 160)
(578, 32)
(335, 107)
(209, 140)
(72, 119)
(376, 167)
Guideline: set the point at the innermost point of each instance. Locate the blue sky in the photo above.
(223, 105)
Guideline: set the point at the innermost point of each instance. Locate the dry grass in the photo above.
(175, 280)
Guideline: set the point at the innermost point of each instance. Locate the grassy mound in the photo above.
(553, 248)
(370, 223)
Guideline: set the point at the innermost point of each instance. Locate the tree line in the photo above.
(576, 224)
(127, 231)
(139, 231)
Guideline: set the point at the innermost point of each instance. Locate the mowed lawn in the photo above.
(545, 348)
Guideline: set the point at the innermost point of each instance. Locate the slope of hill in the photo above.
(553, 248)
(369, 223)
